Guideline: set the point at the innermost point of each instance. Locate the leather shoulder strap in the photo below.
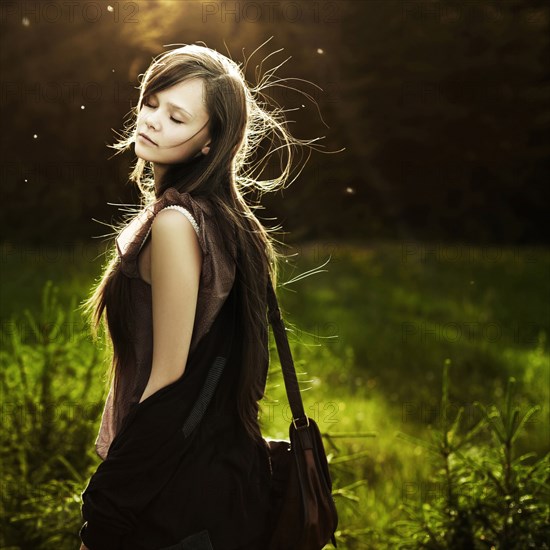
(285, 355)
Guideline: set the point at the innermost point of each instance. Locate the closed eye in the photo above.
(171, 118)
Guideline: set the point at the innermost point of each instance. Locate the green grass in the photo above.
(370, 337)
(403, 317)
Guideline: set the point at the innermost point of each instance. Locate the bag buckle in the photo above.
(294, 422)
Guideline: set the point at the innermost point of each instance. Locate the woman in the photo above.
(185, 292)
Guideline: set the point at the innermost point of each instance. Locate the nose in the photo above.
(151, 121)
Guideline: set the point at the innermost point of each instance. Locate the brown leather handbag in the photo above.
(303, 513)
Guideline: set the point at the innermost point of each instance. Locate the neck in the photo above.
(158, 171)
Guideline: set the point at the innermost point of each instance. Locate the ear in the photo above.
(205, 150)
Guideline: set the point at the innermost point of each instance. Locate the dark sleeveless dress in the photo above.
(158, 485)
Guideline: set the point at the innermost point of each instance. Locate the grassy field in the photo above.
(370, 332)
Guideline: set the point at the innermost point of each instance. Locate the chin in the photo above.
(140, 153)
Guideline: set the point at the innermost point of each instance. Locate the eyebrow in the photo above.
(177, 107)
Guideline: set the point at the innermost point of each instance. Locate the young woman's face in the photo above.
(175, 120)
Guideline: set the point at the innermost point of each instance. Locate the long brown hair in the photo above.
(245, 131)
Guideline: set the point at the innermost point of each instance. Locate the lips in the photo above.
(145, 136)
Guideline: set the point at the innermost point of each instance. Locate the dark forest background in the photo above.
(443, 109)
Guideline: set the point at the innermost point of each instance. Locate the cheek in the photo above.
(180, 137)
(141, 114)
(176, 150)
(140, 121)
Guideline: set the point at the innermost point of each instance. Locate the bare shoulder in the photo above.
(171, 217)
(171, 227)
(174, 242)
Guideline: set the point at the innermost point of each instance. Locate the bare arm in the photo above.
(176, 259)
